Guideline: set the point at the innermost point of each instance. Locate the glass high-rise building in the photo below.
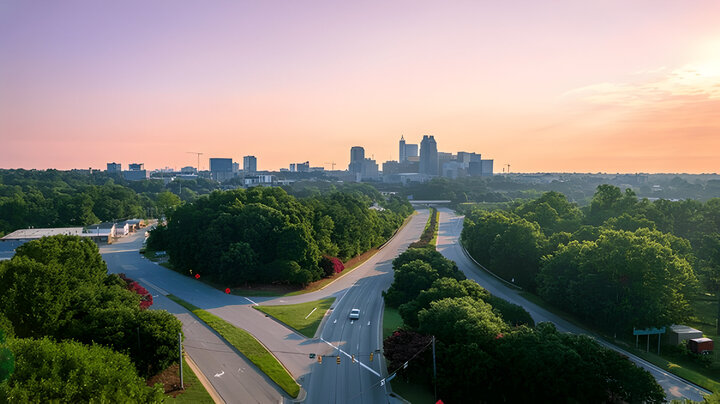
(428, 156)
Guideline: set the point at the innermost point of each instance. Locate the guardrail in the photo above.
(467, 254)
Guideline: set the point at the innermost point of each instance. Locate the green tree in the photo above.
(620, 281)
(460, 320)
(72, 372)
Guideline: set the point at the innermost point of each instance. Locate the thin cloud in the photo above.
(690, 83)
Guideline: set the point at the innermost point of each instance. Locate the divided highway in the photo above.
(449, 245)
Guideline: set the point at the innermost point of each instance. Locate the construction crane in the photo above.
(332, 165)
(198, 156)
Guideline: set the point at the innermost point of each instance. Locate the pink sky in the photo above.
(616, 86)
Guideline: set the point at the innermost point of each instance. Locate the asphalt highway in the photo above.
(448, 244)
(345, 383)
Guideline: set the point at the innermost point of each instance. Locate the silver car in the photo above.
(354, 314)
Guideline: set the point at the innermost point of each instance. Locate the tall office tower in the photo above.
(411, 150)
(428, 156)
(403, 153)
(221, 169)
(249, 164)
(114, 167)
(357, 156)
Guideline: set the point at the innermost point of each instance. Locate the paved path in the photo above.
(448, 244)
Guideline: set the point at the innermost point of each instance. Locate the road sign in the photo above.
(649, 331)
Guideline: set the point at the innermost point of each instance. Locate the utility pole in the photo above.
(182, 385)
(508, 166)
(434, 369)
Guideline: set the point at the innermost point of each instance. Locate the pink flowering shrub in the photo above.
(331, 265)
(146, 299)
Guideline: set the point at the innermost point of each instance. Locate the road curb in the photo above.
(203, 380)
(407, 220)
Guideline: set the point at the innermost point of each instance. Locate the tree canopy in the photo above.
(265, 235)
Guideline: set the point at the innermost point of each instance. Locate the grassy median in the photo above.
(244, 342)
(304, 318)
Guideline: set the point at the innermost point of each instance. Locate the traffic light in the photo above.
(338, 359)
(371, 356)
(353, 358)
(319, 358)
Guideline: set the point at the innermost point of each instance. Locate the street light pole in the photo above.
(182, 385)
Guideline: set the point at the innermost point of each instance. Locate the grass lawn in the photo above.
(194, 390)
(416, 393)
(437, 228)
(684, 368)
(244, 342)
(391, 321)
(678, 365)
(304, 318)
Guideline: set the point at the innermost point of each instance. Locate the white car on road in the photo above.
(354, 314)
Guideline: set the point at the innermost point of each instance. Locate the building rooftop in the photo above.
(25, 234)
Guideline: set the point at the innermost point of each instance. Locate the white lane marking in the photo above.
(335, 321)
(159, 289)
(313, 310)
(352, 322)
(368, 323)
(240, 370)
(219, 374)
(251, 301)
(128, 267)
(350, 356)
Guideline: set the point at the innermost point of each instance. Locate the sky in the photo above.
(561, 86)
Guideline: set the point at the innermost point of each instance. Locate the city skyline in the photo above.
(611, 87)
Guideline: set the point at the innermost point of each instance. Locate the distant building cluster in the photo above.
(135, 171)
(429, 162)
(415, 163)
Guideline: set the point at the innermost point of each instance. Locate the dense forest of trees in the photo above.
(578, 188)
(77, 333)
(620, 262)
(489, 349)
(265, 235)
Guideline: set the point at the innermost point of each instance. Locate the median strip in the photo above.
(246, 344)
(293, 315)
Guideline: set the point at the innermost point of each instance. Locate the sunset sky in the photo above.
(567, 85)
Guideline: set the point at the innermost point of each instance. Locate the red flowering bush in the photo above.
(146, 299)
(331, 265)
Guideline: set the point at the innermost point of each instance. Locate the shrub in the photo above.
(331, 265)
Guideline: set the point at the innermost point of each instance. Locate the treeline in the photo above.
(77, 327)
(488, 349)
(265, 235)
(619, 263)
(578, 188)
(31, 198)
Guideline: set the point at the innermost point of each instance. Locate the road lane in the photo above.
(359, 382)
(234, 377)
(448, 244)
(293, 349)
